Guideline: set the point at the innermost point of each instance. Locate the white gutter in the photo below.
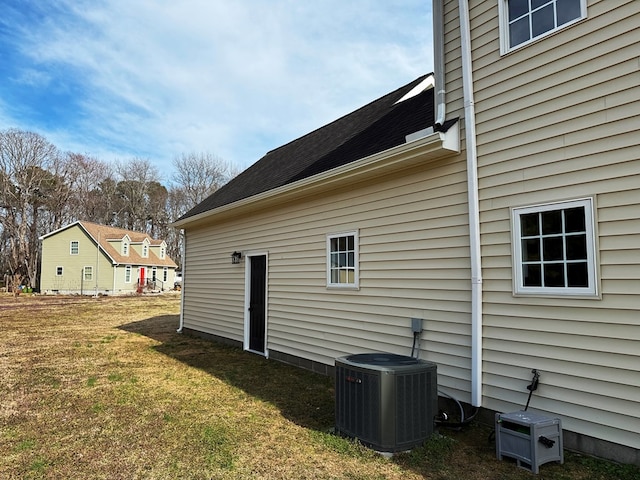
(184, 251)
(438, 60)
(474, 206)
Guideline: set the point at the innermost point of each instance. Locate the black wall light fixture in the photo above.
(236, 257)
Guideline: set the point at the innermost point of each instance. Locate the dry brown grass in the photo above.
(105, 388)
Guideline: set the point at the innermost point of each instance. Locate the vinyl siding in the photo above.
(559, 119)
(413, 243)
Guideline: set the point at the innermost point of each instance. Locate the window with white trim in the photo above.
(145, 250)
(125, 248)
(88, 273)
(342, 260)
(554, 249)
(163, 252)
(165, 274)
(74, 247)
(59, 271)
(127, 274)
(522, 21)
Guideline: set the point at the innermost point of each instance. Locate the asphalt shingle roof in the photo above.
(378, 126)
(105, 233)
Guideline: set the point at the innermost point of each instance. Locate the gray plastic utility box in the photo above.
(529, 438)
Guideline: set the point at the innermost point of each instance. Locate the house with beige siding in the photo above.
(498, 200)
(87, 258)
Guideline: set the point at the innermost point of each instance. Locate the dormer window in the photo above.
(163, 252)
(145, 250)
(523, 21)
(124, 248)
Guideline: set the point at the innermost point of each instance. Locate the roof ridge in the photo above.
(341, 141)
(414, 83)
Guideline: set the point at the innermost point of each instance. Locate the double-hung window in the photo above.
(127, 274)
(554, 249)
(74, 247)
(342, 260)
(523, 21)
(88, 273)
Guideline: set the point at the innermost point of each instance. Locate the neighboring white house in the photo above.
(88, 258)
(518, 242)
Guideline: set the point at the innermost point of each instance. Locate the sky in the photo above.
(155, 79)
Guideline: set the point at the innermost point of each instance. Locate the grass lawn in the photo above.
(104, 387)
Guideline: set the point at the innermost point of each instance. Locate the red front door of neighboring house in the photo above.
(141, 275)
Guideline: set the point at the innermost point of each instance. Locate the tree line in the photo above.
(43, 189)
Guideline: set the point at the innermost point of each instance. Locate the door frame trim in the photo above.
(247, 299)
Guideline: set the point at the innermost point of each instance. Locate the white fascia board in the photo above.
(77, 222)
(438, 144)
(428, 82)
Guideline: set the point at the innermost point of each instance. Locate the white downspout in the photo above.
(474, 206)
(184, 251)
(438, 61)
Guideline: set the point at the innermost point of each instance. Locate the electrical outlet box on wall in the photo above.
(416, 325)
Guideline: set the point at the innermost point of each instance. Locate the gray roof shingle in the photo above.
(375, 127)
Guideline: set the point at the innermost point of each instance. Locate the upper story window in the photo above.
(145, 250)
(125, 248)
(342, 260)
(554, 249)
(163, 252)
(523, 21)
(74, 248)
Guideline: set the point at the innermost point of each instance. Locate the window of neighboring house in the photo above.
(59, 271)
(145, 250)
(165, 274)
(554, 249)
(75, 247)
(342, 260)
(163, 252)
(125, 249)
(127, 274)
(523, 21)
(88, 273)
(154, 272)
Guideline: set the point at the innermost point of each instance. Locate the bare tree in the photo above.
(199, 175)
(25, 158)
(91, 198)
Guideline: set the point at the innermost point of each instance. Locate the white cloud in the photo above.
(232, 78)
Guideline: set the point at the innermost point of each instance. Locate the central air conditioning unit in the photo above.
(386, 401)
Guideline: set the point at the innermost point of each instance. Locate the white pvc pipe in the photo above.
(474, 206)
